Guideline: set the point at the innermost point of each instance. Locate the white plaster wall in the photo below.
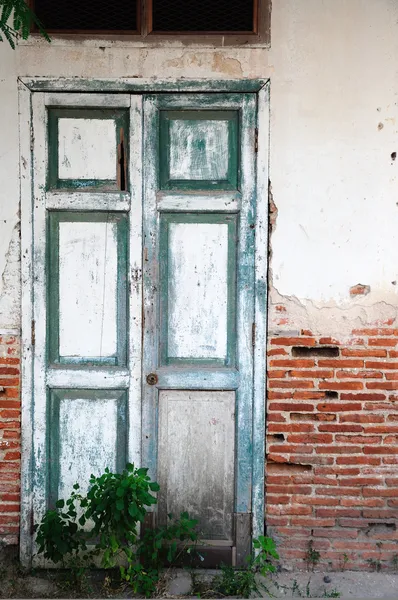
(334, 124)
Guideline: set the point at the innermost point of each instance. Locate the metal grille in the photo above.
(203, 15)
(94, 15)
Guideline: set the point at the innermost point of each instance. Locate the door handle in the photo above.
(152, 379)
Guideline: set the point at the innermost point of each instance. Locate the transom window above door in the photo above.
(241, 20)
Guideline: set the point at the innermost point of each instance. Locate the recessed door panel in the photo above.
(192, 424)
(198, 265)
(87, 288)
(88, 433)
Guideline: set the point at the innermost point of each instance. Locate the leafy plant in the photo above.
(233, 582)
(313, 556)
(17, 20)
(116, 503)
(104, 523)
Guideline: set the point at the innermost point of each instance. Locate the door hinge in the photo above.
(253, 334)
(256, 140)
(33, 332)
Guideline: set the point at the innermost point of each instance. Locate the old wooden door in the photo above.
(199, 215)
(143, 296)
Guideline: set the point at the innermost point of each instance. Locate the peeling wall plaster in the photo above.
(334, 115)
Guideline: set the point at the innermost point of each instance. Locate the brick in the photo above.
(383, 364)
(358, 439)
(289, 449)
(276, 352)
(381, 493)
(359, 352)
(279, 395)
(337, 512)
(360, 481)
(9, 403)
(276, 383)
(314, 373)
(276, 418)
(12, 456)
(361, 418)
(288, 406)
(285, 428)
(363, 396)
(12, 382)
(380, 450)
(379, 406)
(362, 502)
(317, 501)
(10, 414)
(340, 385)
(311, 438)
(358, 460)
(308, 395)
(393, 353)
(9, 361)
(375, 331)
(339, 427)
(297, 363)
(345, 534)
(339, 363)
(9, 371)
(392, 376)
(338, 407)
(331, 491)
(276, 374)
(382, 429)
(293, 341)
(384, 342)
(359, 374)
(305, 522)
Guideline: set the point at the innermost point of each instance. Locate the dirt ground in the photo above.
(16, 582)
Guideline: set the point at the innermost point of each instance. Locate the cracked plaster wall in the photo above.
(334, 126)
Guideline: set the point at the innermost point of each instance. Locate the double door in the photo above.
(143, 317)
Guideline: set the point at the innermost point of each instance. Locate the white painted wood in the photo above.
(210, 378)
(99, 378)
(87, 441)
(87, 289)
(26, 197)
(140, 85)
(39, 414)
(224, 202)
(87, 100)
(135, 281)
(99, 201)
(87, 149)
(196, 458)
(261, 266)
(197, 290)
(198, 149)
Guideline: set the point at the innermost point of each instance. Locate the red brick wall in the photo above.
(10, 434)
(332, 448)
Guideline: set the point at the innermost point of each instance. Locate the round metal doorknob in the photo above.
(152, 379)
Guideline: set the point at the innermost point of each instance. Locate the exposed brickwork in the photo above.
(10, 444)
(332, 447)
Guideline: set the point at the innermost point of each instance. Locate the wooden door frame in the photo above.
(27, 87)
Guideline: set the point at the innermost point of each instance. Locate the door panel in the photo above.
(194, 328)
(87, 283)
(88, 432)
(193, 424)
(199, 190)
